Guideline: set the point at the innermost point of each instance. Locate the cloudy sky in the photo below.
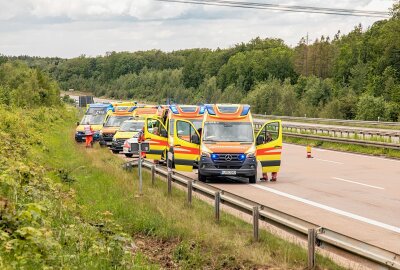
(69, 28)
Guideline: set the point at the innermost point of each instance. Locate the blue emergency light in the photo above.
(242, 157)
(214, 156)
(174, 109)
(210, 109)
(202, 109)
(246, 109)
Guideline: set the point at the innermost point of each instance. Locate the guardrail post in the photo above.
(256, 218)
(217, 205)
(190, 189)
(311, 248)
(153, 174)
(169, 180)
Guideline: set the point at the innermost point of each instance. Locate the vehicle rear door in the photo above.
(156, 134)
(186, 145)
(269, 146)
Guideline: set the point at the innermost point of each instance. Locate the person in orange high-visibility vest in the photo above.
(88, 135)
(273, 174)
(141, 139)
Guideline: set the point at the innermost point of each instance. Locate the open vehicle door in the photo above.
(156, 134)
(186, 145)
(269, 146)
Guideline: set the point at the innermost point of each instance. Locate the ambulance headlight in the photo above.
(205, 154)
(251, 155)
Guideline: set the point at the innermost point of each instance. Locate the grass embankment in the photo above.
(352, 148)
(64, 206)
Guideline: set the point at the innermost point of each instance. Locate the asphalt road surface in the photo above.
(355, 195)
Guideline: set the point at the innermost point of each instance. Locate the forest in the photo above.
(347, 76)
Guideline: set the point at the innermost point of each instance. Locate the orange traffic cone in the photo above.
(309, 151)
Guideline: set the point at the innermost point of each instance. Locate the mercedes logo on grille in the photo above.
(228, 157)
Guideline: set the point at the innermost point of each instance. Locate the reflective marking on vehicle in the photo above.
(331, 161)
(331, 209)
(358, 183)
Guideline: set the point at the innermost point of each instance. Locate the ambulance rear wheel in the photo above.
(202, 178)
(252, 179)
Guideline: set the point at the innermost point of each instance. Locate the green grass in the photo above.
(196, 241)
(352, 148)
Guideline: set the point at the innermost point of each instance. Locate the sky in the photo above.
(70, 28)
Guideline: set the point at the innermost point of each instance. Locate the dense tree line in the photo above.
(25, 87)
(348, 76)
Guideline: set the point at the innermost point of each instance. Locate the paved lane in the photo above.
(353, 194)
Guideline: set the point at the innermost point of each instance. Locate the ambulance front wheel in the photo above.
(252, 179)
(202, 178)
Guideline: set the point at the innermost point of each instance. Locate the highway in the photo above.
(355, 195)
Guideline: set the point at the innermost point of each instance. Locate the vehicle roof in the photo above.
(228, 112)
(100, 105)
(180, 111)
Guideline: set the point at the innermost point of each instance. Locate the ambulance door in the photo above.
(156, 134)
(269, 146)
(186, 145)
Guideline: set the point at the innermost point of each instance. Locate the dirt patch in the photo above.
(156, 250)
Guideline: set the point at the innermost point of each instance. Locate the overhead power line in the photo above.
(289, 8)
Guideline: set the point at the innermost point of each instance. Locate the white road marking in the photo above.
(331, 161)
(358, 183)
(331, 209)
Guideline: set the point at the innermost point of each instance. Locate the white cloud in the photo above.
(69, 28)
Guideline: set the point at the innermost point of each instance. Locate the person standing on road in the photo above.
(88, 135)
(274, 175)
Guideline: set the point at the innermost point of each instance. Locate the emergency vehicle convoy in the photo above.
(224, 145)
(218, 139)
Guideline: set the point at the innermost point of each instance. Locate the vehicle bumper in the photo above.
(247, 168)
(105, 141)
(82, 137)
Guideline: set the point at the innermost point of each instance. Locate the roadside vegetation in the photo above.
(347, 76)
(66, 207)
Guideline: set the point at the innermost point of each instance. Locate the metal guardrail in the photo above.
(340, 121)
(346, 140)
(317, 236)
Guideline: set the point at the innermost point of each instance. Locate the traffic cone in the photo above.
(309, 151)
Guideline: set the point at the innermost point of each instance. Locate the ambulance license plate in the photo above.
(228, 172)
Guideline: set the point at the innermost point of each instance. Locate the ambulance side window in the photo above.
(269, 133)
(186, 132)
(155, 127)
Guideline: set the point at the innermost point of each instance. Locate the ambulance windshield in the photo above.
(228, 132)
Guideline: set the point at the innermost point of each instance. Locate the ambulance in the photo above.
(95, 121)
(128, 130)
(227, 145)
(161, 134)
(112, 124)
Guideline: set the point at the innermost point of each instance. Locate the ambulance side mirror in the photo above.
(195, 139)
(260, 140)
(164, 133)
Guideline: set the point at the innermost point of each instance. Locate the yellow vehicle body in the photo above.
(112, 124)
(123, 106)
(162, 135)
(228, 145)
(122, 134)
